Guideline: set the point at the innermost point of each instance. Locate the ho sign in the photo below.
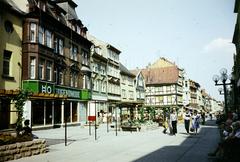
(46, 89)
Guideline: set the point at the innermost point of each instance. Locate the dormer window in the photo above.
(78, 30)
(42, 5)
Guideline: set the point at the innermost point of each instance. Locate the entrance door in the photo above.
(4, 114)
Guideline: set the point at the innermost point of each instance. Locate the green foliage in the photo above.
(141, 111)
(19, 101)
(152, 112)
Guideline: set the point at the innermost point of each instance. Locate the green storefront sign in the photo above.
(49, 88)
(38, 86)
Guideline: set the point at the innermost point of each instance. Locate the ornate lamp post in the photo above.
(224, 77)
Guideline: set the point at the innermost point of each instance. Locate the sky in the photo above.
(195, 34)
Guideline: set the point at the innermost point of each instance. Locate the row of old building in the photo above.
(47, 51)
(234, 95)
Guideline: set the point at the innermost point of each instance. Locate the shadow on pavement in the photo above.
(50, 141)
(193, 148)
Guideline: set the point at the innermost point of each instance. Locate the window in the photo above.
(48, 38)
(160, 99)
(6, 62)
(41, 35)
(168, 89)
(169, 99)
(73, 52)
(78, 30)
(124, 93)
(60, 78)
(58, 45)
(104, 86)
(85, 58)
(41, 69)
(86, 83)
(49, 71)
(42, 5)
(73, 79)
(140, 82)
(33, 28)
(8, 26)
(131, 95)
(32, 67)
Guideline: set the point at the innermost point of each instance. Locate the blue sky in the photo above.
(195, 34)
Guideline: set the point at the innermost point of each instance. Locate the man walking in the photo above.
(187, 116)
(173, 119)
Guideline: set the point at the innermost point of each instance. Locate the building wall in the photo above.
(162, 95)
(11, 40)
(128, 92)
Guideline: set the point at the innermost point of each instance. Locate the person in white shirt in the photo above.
(187, 116)
(173, 119)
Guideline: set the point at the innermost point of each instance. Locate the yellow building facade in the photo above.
(10, 61)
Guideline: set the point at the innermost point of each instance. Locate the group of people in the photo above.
(229, 147)
(191, 122)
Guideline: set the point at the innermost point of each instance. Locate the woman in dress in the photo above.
(195, 121)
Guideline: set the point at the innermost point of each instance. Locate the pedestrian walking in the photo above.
(173, 119)
(195, 121)
(165, 125)
(203, 117)
(187, 117)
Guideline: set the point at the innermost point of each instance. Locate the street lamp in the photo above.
(223, 78)
(220, 90)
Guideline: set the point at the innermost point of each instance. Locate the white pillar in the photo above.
(44, 109)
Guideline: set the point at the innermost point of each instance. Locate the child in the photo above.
(165, 125)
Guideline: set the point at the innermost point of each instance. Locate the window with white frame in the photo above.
(48, 38)
(49, 71)
(140, 81)
(41, 35)
(6, 62)
(104, 87)
(32, 67)
(78, 30)
(33, 28)
(169, 100)
(124, 93)
(41, 69)
(55, 45)
(131, 95)
(73, 52)
(73, 79)
(60, 78)
(86, 83)
(85, 59)
(58, 45)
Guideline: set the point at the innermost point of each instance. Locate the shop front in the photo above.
(50, 105)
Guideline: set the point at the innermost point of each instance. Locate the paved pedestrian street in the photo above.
(149, 145)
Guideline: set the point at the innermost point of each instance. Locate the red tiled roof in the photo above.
(164, 75)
